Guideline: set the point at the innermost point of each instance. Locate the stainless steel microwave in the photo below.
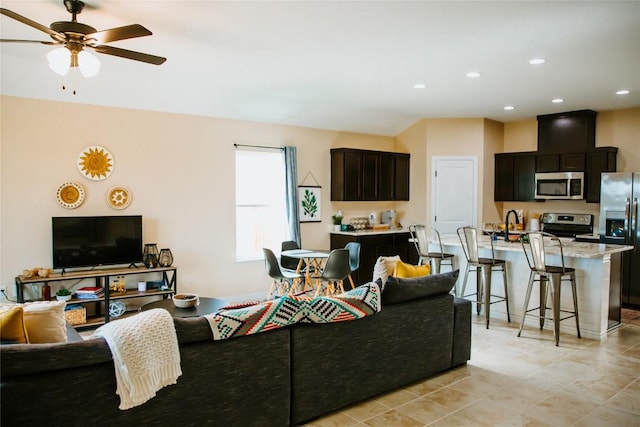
(560, 185)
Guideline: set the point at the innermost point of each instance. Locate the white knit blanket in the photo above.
(145, 354)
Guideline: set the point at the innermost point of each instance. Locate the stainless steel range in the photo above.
(567, 224)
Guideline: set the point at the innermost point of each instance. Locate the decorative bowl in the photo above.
(63, 297)
(185, 300)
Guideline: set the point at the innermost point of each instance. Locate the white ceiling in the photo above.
(341, 65)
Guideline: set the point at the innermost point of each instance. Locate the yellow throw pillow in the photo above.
(45, 321)
(405, 271)
(12, 328)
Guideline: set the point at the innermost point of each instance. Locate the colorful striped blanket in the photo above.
(289, 309)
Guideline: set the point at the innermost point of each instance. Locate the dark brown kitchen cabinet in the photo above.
(401, 187)
(514, 177)
(503, 182)
(346, 176)
(366, 175)
(370, 176)
(568, 132)
(603, 159)
(548, 163)
(570, 162)
(373, 246)
(524, 171)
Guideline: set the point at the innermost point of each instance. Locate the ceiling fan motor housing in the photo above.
(67, 27)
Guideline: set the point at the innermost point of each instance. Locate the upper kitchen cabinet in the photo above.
(569, 132)
(600, 160)
(514, 177)
(567, 162)
(503, 182)
(366, 175)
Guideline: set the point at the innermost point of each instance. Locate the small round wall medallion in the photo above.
(95, 163)
(119, 197)
(70, 195)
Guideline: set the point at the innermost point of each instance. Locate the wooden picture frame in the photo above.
(310, 203)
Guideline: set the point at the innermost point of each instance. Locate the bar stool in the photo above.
(534, 250)
(421, 235)
(483, 268)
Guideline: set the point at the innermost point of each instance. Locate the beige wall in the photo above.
(413, 140)
(180, 170)
(469, 137)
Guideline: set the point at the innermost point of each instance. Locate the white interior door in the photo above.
(454, 196)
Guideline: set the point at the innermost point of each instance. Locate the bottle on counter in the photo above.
(46, 292)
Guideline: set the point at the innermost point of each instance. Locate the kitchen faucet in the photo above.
(506, 224)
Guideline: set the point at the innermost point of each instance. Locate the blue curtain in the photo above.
(291, 176)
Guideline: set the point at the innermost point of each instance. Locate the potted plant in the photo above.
(63, 294)
(337, 221)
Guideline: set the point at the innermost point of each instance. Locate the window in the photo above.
(261, 219)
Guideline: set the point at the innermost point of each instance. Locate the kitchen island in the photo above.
(597, 278)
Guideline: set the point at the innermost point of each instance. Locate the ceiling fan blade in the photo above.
(119, 33)
(56, 35)
(26, 41)
(130, 54)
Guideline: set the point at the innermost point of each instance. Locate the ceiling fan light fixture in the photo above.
(60, 60)
(89, 65)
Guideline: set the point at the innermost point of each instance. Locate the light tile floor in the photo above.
(512, 381)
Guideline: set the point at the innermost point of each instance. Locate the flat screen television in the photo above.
(87, 241)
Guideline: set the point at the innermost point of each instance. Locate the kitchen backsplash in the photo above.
(535, 209)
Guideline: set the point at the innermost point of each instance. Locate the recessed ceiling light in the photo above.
(419, 86)
(474, 74)
(537, 61)
(622, 92)
(557, 100)
(509, 107)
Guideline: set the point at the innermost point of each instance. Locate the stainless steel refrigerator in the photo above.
(619, 218)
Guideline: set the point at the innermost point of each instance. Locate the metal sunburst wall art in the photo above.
(95, 163)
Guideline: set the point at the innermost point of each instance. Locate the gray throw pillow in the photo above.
(398, 290)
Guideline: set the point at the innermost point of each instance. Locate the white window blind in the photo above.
(261, 220)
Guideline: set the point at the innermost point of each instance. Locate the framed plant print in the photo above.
(309, 203)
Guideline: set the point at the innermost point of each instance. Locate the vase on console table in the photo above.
(165, 259)
(150, 255)
(46, 292)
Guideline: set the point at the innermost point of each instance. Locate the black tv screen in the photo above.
(87, 241)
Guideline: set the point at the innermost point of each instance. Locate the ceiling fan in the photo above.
(76, 37)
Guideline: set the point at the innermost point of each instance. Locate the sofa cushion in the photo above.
(12, 330)
(45, 321)
(384, 267)
(405, 271)
(399, 290)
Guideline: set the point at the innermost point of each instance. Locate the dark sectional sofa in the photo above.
(279, 378)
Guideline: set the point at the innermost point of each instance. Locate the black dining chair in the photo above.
(286, 261)
(336, 269)
(284, 281)
(354, 259)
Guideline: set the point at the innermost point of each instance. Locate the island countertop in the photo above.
(570, 248)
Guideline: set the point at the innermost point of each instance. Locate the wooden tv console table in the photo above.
(102, 279)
